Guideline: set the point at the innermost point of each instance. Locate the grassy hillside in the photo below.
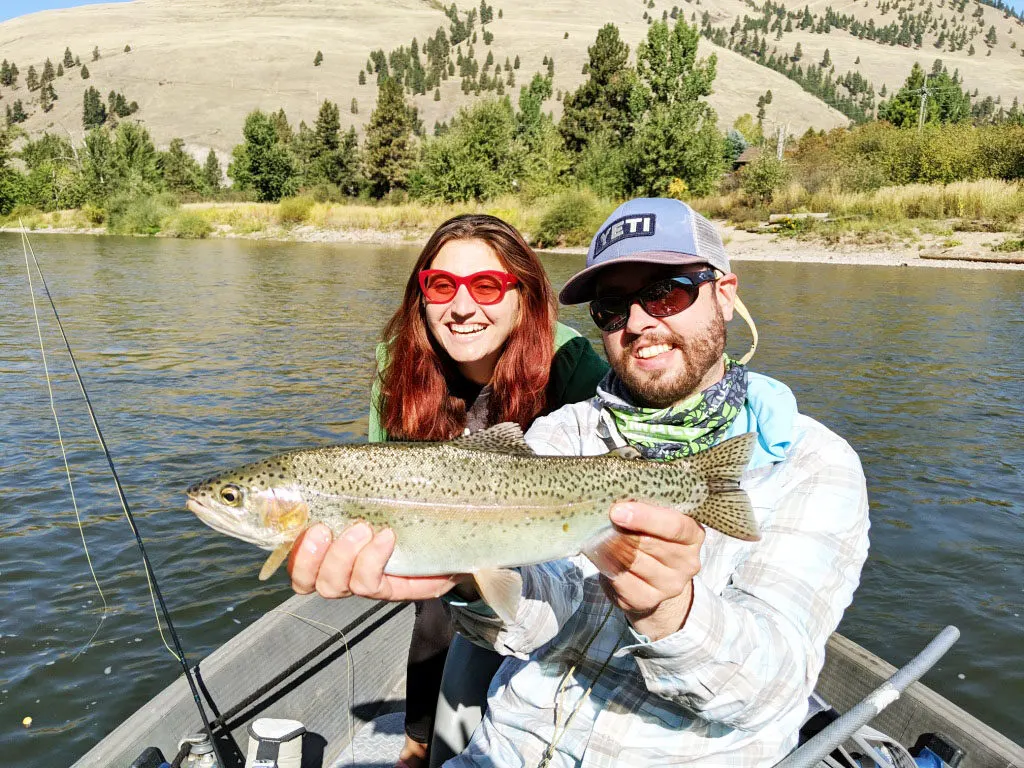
(197, 69)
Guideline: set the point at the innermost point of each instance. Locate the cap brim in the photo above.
(581, 286)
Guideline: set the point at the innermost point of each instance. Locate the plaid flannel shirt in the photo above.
(728, 689)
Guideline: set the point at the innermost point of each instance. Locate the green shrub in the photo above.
(94, 214)
(1009, 246)
(763, 176)
(187, 224)
(572, 218)
(294, 210)
(129, 215)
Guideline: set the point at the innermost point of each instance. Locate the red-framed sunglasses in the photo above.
(487, 287)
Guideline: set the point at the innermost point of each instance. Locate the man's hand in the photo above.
(354, 565)
(653, 582)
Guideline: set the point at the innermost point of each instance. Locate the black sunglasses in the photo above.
(660, 299)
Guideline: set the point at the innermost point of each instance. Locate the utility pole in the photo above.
(781, 142)
(924, 100)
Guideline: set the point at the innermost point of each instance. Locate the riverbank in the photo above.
(908, 248)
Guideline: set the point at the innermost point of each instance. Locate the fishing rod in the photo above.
(179, 652)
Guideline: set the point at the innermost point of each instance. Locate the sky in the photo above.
(11, 8)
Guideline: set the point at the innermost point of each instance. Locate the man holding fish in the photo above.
(668, 643)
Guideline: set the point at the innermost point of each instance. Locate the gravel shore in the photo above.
(960, 251)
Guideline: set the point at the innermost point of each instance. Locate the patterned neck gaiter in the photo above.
(680, 430)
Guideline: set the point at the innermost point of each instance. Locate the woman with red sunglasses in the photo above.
(474, 343)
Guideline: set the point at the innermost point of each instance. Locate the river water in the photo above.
(201, 355)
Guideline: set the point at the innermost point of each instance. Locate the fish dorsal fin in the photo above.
(625, 452)
(506, 437)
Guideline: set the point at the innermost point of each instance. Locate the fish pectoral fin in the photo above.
(278, 556)
(506, 437)
(500, 589)
(612, 551)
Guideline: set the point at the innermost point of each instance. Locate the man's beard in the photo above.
(660, 389)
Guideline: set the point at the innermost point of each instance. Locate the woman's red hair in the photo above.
(416, 399)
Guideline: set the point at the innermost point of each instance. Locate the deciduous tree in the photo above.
(261, 163)
(677, 136)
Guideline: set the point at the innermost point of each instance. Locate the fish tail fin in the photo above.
(727, 507)
(731, 513)
(725, 461)
(501, 589)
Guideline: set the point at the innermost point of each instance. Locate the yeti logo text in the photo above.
(620, 229)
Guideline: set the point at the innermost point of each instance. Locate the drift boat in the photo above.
(331, 665)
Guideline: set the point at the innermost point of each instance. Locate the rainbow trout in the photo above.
(476, 504)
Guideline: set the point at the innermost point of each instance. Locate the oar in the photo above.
(838, 731)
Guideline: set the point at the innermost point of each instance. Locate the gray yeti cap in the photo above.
(651, 231)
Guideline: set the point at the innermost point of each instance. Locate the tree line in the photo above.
(640, 127)
(628, 129)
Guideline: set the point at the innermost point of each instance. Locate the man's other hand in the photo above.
(353, 564)
(651, 575)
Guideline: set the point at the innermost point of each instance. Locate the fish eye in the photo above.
(231, 495)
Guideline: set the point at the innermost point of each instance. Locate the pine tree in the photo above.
(127, 48)
(49, 73)
(362, 77)
(601, 103)
(990, 38)
(94, 114)
(437, 94)
(211, 172)
(60, 70)
(389, 151)
(5, 74)
(318, 59)
(798, 53)
(516, 64)
(181, 173)
(18, 113)
(85, 72)
(826, 60)
(355, 106)
(69, 60)
(32, 79)
(95, 53)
